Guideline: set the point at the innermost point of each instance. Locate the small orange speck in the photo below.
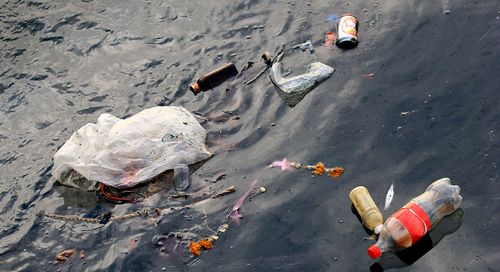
(336, 172)
(194, 248)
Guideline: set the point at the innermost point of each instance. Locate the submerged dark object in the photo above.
(214, 78)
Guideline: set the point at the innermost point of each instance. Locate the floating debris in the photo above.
(388, 197)
(283, 164)
(235, 211)
(223, 228)
(305, 46)
(216, 178)
(368, 76)
(318, 169)
(194, 248)
(228, 190)
(180, 194)
(267, 57)
(61, 256)
(329, 39)
(335, 172)
(293, 89)
(206, 243)
(347, 31)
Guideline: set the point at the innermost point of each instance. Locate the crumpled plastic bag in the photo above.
(125, 152)
(293, 89)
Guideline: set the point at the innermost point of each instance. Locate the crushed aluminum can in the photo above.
(347, 31)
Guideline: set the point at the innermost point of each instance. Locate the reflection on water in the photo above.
(66, 62)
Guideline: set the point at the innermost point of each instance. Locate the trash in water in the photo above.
(294, 88)
(368, 76)
(317, 169)
(347, 31)
(329, 39)
(405, 227)
(268, 60)
(267, 57)
(214, 78)
(388, 197)
(305, 46)
(235, 211)
(228, 190)
(283, 164)
(181, 177)
(180, 195)
(122, 153)
(195, 247)
(222, 228)
(216, 178)
(370, 215)
(82, 254)
(61, 256)
(207, 243)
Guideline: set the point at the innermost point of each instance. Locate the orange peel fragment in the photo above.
(205, 243)
(319, 169)
(336, 172)
(194, 248)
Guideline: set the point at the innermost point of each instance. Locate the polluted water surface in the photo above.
(64, 63)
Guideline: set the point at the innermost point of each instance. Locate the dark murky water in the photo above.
(66, 62)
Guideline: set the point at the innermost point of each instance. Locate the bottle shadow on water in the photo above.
(448, 225)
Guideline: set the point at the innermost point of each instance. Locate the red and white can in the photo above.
(347, 31)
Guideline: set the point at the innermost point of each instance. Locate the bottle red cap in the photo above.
(374, 251)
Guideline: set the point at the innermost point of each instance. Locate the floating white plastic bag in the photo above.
(125, 152)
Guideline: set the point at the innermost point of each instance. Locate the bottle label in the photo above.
(415, 220)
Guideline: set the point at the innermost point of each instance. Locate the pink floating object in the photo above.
(284, 165)
(235, 211)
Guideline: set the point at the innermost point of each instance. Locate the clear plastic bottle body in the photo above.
(417, 217)
(439, 199)
(367, 209)
(181, 176)
(394, 235)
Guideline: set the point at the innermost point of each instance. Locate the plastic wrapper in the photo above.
(122, 153)
(293, 89)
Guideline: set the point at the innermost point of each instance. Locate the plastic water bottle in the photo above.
(181, 175)
(405, 227)
(367, 209)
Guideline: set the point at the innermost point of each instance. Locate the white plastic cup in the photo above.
(181, 175)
